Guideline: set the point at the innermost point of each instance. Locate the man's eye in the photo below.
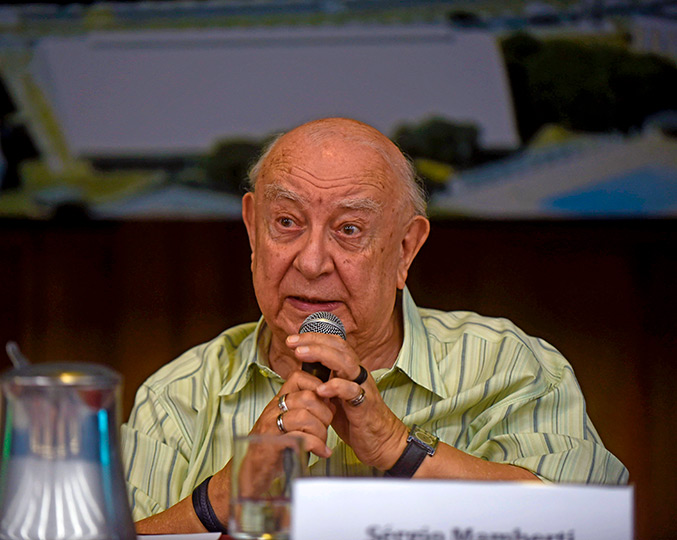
(286, 222)
(350, 230)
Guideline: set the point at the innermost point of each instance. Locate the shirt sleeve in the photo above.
(152, 457)
(544, 428)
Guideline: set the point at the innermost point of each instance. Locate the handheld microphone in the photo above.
(321, 322)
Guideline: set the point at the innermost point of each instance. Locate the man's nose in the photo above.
(314, 258)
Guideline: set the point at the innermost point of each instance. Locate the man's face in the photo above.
(326, 225)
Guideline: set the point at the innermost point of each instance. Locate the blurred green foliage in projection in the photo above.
(439, 148)
(591, 87)
(228, 162)
(439, 139)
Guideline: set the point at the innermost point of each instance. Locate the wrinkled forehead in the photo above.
(332, 161)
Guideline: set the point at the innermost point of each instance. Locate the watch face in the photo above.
(427, 439)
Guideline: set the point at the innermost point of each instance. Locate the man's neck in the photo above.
(378, 351)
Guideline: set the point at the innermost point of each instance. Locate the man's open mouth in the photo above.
(306, 302)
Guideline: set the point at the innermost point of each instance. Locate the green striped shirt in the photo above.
(480, 384)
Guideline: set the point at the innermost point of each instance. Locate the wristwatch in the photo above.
(420, 444)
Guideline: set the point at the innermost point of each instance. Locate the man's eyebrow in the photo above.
(275, 192)
(361, 203)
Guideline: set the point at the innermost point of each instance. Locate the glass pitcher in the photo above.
(60, 471)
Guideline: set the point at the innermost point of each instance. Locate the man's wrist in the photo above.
(419, 445)
(219, 493)
(204, 509)
(398, 444)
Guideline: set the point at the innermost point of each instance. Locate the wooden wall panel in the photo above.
(134, 295)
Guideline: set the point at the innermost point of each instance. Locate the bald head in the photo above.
(323, 132)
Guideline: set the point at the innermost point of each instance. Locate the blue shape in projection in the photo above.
(644, 191)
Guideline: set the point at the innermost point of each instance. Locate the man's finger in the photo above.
(341, 389)
(313, 444)
(307, 400)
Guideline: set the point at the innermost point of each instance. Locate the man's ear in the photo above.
(415, 236)
(249, 218)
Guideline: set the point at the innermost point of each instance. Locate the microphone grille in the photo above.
(323, 322)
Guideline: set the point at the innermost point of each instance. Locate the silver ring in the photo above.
(359, 399)
(280, 423)
(282, 403)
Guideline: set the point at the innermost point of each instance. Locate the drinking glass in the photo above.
(263, 468)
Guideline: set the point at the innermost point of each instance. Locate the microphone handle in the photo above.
(317, 369)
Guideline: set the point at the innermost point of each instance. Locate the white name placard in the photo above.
(392, 509)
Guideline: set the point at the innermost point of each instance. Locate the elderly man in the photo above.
(335, 218)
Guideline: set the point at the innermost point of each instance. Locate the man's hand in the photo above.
(370, 428)
(308, 415)
(373, 431)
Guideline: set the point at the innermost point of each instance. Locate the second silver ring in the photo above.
(358, 399)
(280, 423)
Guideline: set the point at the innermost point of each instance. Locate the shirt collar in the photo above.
(250, 356)
(415, 358)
